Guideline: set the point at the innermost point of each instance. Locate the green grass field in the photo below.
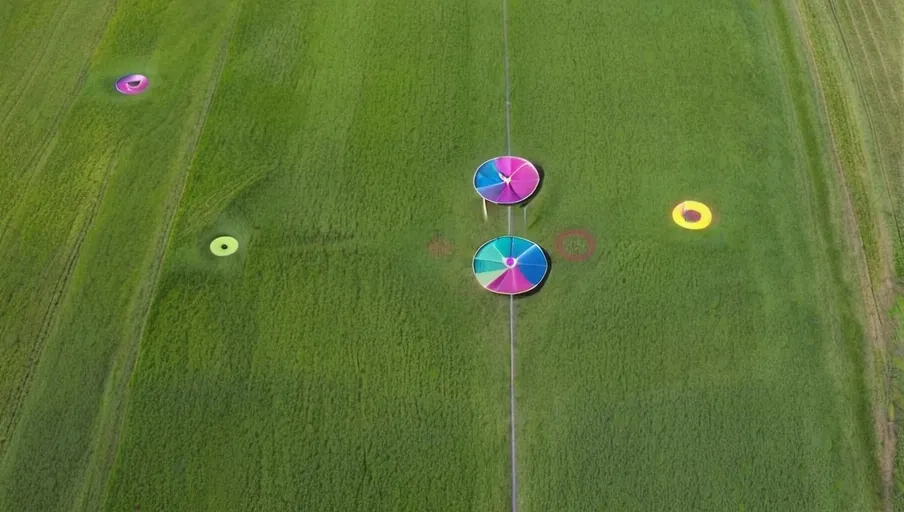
(336, 362)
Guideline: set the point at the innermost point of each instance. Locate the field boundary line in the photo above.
(145, 298)
(511, 314)
(866, 288)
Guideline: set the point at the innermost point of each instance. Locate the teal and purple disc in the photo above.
(510, 265)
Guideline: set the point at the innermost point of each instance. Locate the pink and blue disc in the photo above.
(506, 180)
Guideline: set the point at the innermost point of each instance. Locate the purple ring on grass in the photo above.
(132, 84)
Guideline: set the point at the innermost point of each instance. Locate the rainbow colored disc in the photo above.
(506, 180)
(510, 265)
(132, 84)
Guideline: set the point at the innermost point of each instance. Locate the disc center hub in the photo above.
(510, 262)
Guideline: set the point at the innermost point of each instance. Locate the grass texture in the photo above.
(677, 370)
(334, 363)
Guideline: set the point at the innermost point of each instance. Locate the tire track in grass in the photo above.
(849, 60)
(896, 8)
(92, 495)
(883, 430)
(863, 42)
(25, 82)
(866, 110)
(199, 215)
(876, 40)
(49, 141)
(51, 316)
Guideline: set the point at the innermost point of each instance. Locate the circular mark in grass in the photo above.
(692, 215)
(439, 246)
(575, 244)
(224, 246)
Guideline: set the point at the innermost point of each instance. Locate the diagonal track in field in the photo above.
(48, 142)
(21, 89)
(51, 315)
(93, 492)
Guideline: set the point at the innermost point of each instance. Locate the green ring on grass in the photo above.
(224, 246)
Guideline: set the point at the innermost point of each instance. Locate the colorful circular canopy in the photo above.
(510, 265)
(132, 84)
(692, 215)
(506, 180)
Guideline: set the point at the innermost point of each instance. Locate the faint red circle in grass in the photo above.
(439, 246)
(562, 244)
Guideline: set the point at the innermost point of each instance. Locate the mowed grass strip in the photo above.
(717, 370)
(85, 232)
(333, 363)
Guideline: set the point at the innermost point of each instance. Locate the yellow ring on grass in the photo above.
(706, 215)
(224, 246)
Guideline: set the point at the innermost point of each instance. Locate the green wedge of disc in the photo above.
(224, 246)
